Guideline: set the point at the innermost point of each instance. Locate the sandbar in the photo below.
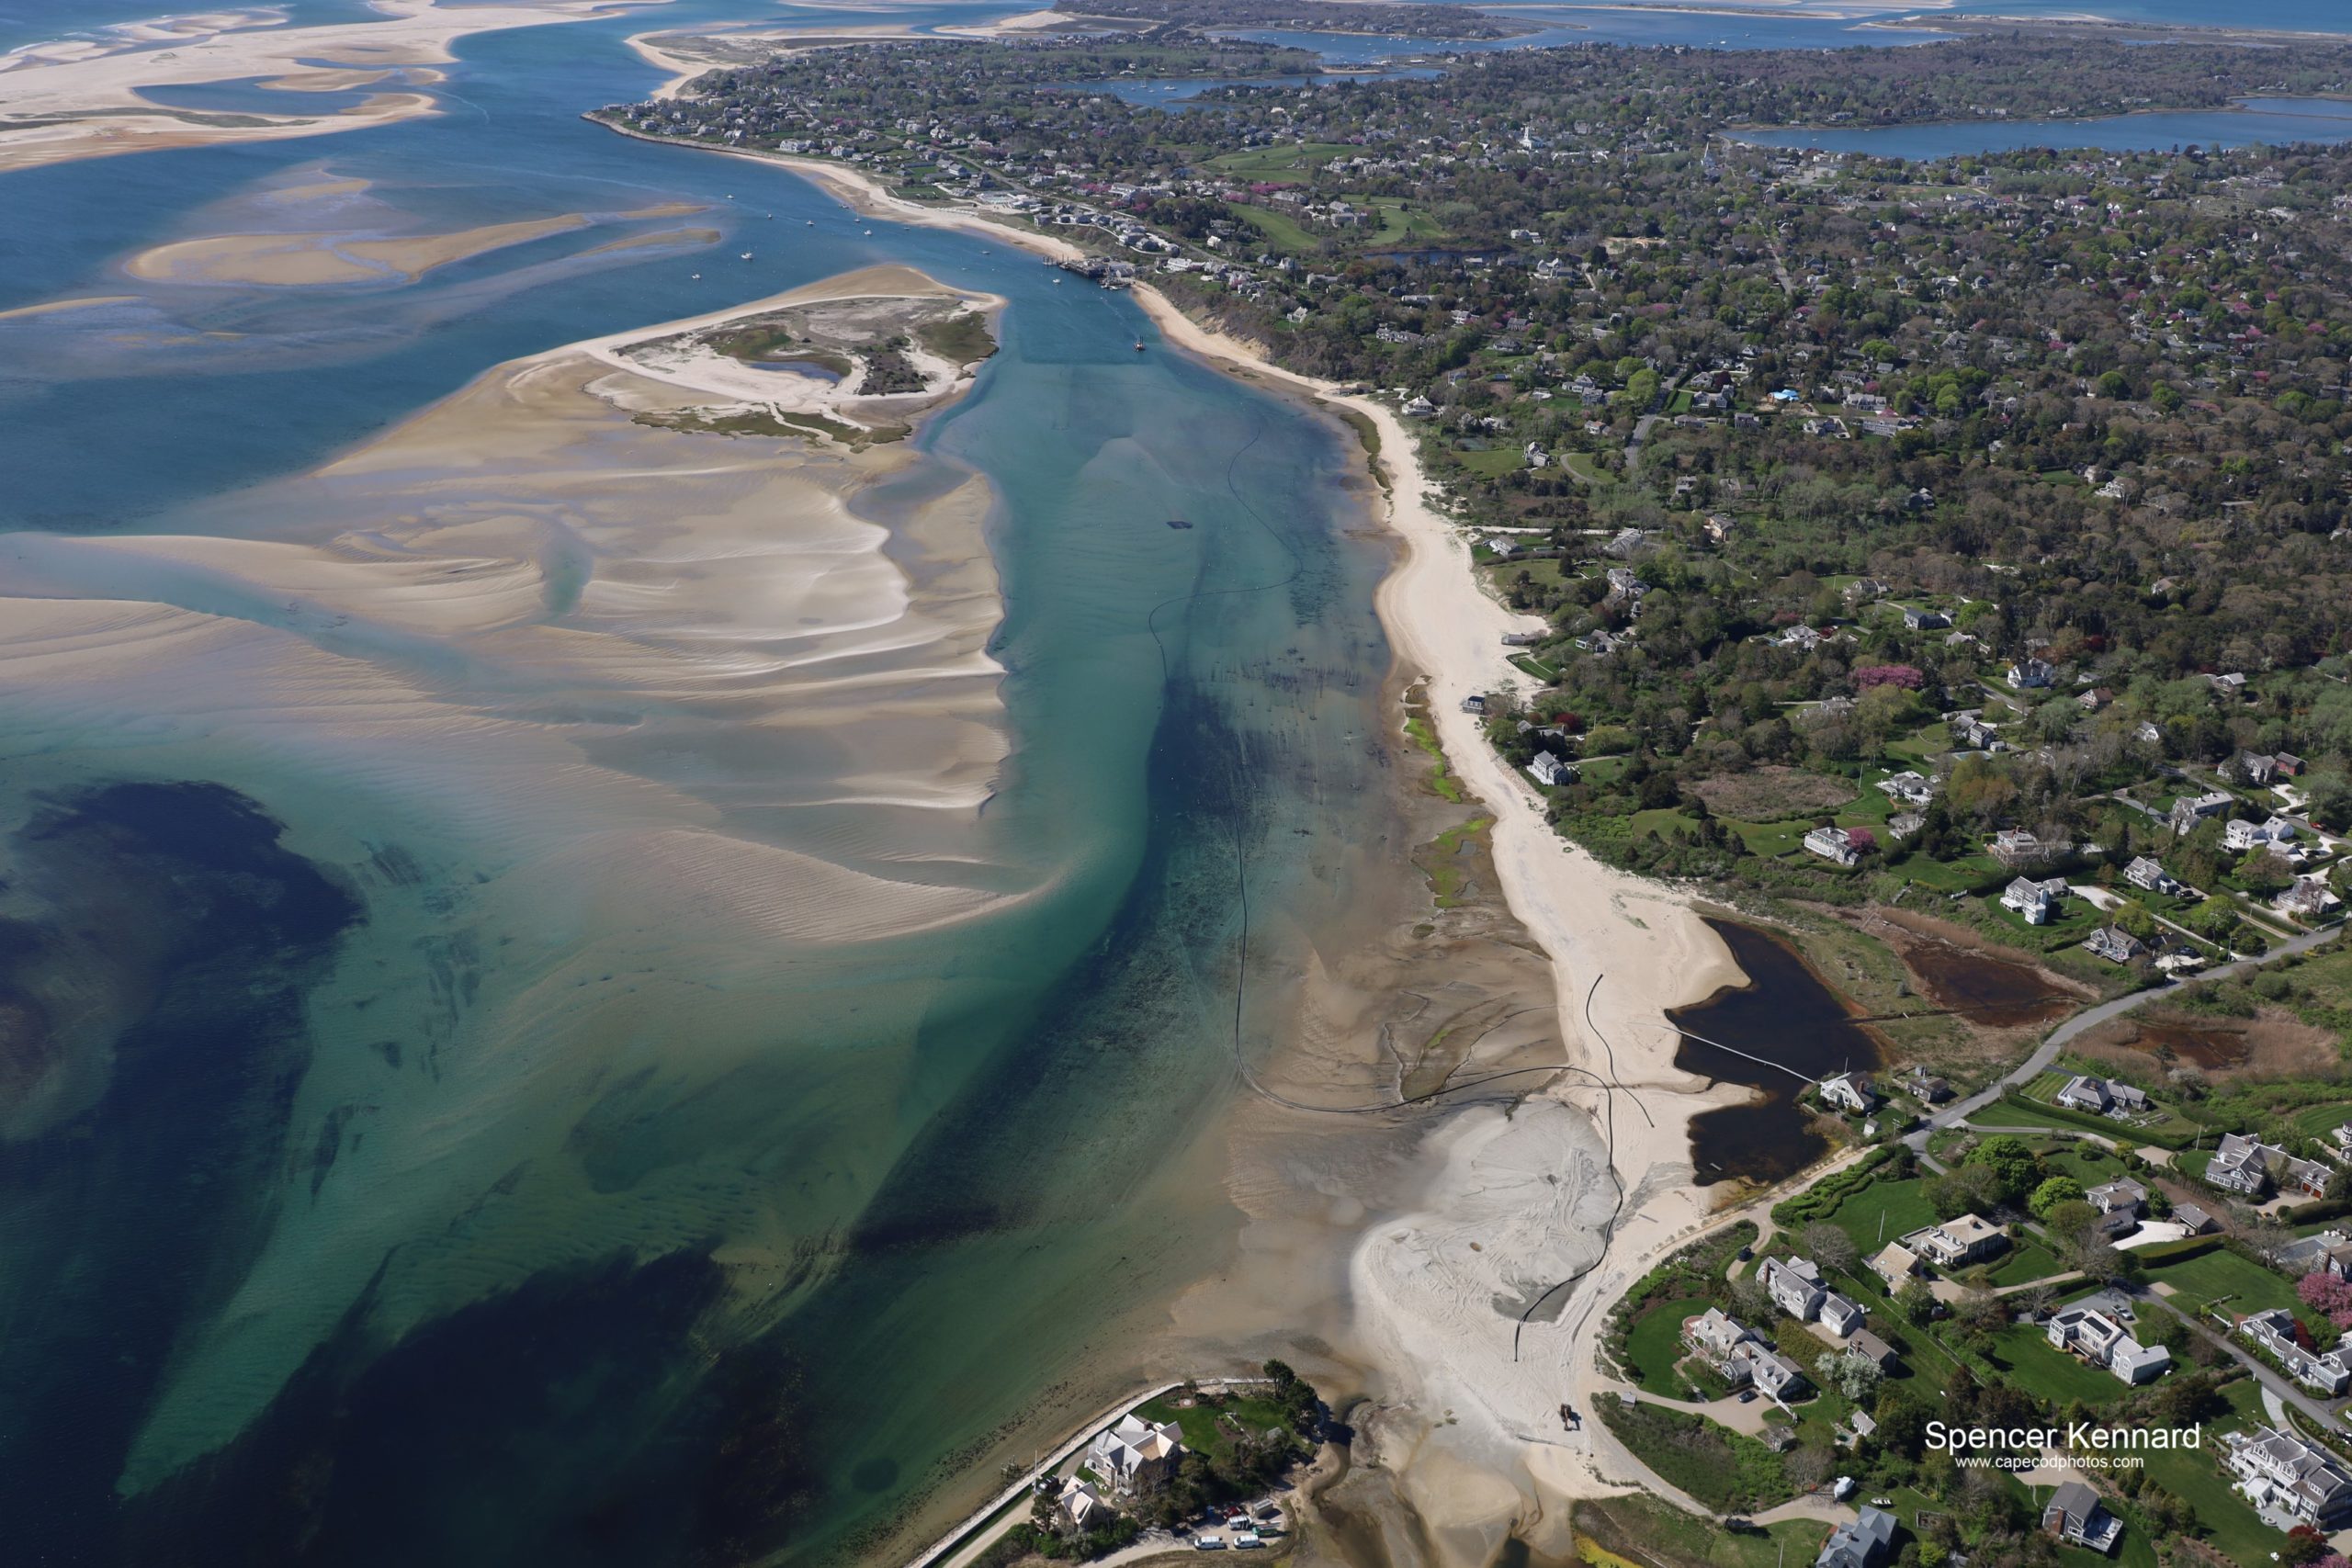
(641, 687)
(283, 260)
(75, 100)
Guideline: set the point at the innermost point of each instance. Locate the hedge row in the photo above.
(1820, 1201)
(2188, 1247)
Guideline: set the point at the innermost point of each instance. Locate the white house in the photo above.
(2148, 874)
(2035, 901)
(1848, 1091)
(2101, 1096)
(2115, 944)
(1833, 843)
(2276, 1471)
(2310, 897)
(1550, 770)
(2248, 1166)
(2122, 1193)
(2275, 1331)
(1909, 787)
(1134, 1455)
(1794, 1286)
(1957, 1242)
(2101, 1341)
(1841, 1315)
(2031, 673)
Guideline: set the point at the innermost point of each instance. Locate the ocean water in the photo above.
(415, 1195)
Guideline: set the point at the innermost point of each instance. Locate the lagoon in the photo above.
(2269, 121)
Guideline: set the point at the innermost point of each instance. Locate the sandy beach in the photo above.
(84, 98)
(1509, 1206)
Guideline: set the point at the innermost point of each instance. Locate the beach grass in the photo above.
(1729, 1472)
(1641, 1529)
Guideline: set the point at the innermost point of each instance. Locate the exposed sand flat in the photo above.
(326, 81)
(298, 259)
(59, 103)
(1540, 1192)
(149, 34)
(646, 689)
(679, 237)
(51, 307)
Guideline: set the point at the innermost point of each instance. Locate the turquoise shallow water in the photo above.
(391, 1225)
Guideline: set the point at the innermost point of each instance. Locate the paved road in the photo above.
(2272, 1381)
(2091, 1017)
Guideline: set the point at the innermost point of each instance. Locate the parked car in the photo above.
(1208, 1544)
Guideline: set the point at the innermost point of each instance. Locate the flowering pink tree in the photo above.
(1903, 675)
(2324, 1292)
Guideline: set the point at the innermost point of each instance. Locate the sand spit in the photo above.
(83, 100)
(281, 260)
(638, 689)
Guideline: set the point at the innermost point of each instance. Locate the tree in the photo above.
(1853, 1374)
(1915, 1302)
(2054, 1190)
(2325, 1292)
(2013, 1164)
(1830, 1247)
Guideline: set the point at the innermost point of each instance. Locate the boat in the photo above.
(747, 255)
(697, 277)
(1138, 345)
(1179, 522)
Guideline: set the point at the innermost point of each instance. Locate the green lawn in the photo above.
(1945, 876)
(1581, 465)
(1490, 462)
(2086, 1163)
(2025, 1263)
(1882, 1212)
(1282, 230)
(1401, 220)
(1208, 1429)
(1277, 165)
(2026, 1355)
(2319, 1120)
(1771, 839)
(1654, 1343)
(2222, 1275)
(1665, 821)
(2197, 1477)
